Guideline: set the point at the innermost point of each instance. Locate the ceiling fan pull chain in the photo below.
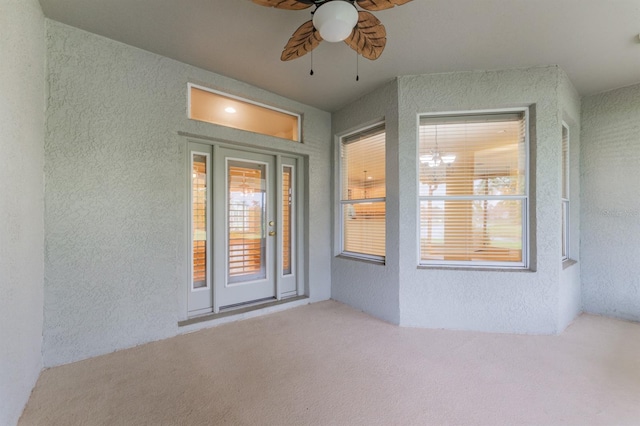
(357, 67)
(311, 72)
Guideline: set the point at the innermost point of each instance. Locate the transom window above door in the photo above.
(227, 110)
(473, 190)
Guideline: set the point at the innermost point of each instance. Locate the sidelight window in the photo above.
(565, 192)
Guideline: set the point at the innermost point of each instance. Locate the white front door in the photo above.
(244, 217)
(249, 228)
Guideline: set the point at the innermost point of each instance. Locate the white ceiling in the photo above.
(595, 41)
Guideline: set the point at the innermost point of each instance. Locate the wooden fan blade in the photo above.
(369, 37)
(303, 41)
(283, 4)
(380, 4)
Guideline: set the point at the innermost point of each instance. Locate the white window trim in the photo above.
(339, 251)
(526, 223)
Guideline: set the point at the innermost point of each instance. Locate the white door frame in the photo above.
(287, 285)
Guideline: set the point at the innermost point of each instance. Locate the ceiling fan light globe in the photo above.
(335, 20)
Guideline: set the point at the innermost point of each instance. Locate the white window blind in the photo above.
(246, 215)
(287, 219)
(363, 193)
(473, 190)
(565, 193)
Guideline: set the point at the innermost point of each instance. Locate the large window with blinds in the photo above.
(473, 190)
(565, 192)
(363, 193)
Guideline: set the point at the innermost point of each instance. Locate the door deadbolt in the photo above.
(272, 233)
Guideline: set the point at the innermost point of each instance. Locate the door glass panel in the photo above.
(246, 213)
(287, 218)
(199, 219)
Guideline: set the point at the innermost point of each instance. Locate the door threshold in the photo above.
(237, 310)
(247, 304)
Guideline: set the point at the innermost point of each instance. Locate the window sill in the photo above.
(567, 263)
(473, 268)
(362, 259)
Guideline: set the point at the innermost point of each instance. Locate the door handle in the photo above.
(272, 233)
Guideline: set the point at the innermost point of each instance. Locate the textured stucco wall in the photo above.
(570, 299)
(22, 103)
(496, 301)
(499, 301)
(373, 288)
(116, 259)
(610, 246)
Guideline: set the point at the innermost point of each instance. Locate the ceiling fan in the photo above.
(337, 20)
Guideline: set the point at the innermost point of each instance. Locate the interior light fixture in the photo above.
(335, 20)
(434, 158)
(230, 110)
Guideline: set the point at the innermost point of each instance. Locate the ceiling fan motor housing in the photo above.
(335, 20)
